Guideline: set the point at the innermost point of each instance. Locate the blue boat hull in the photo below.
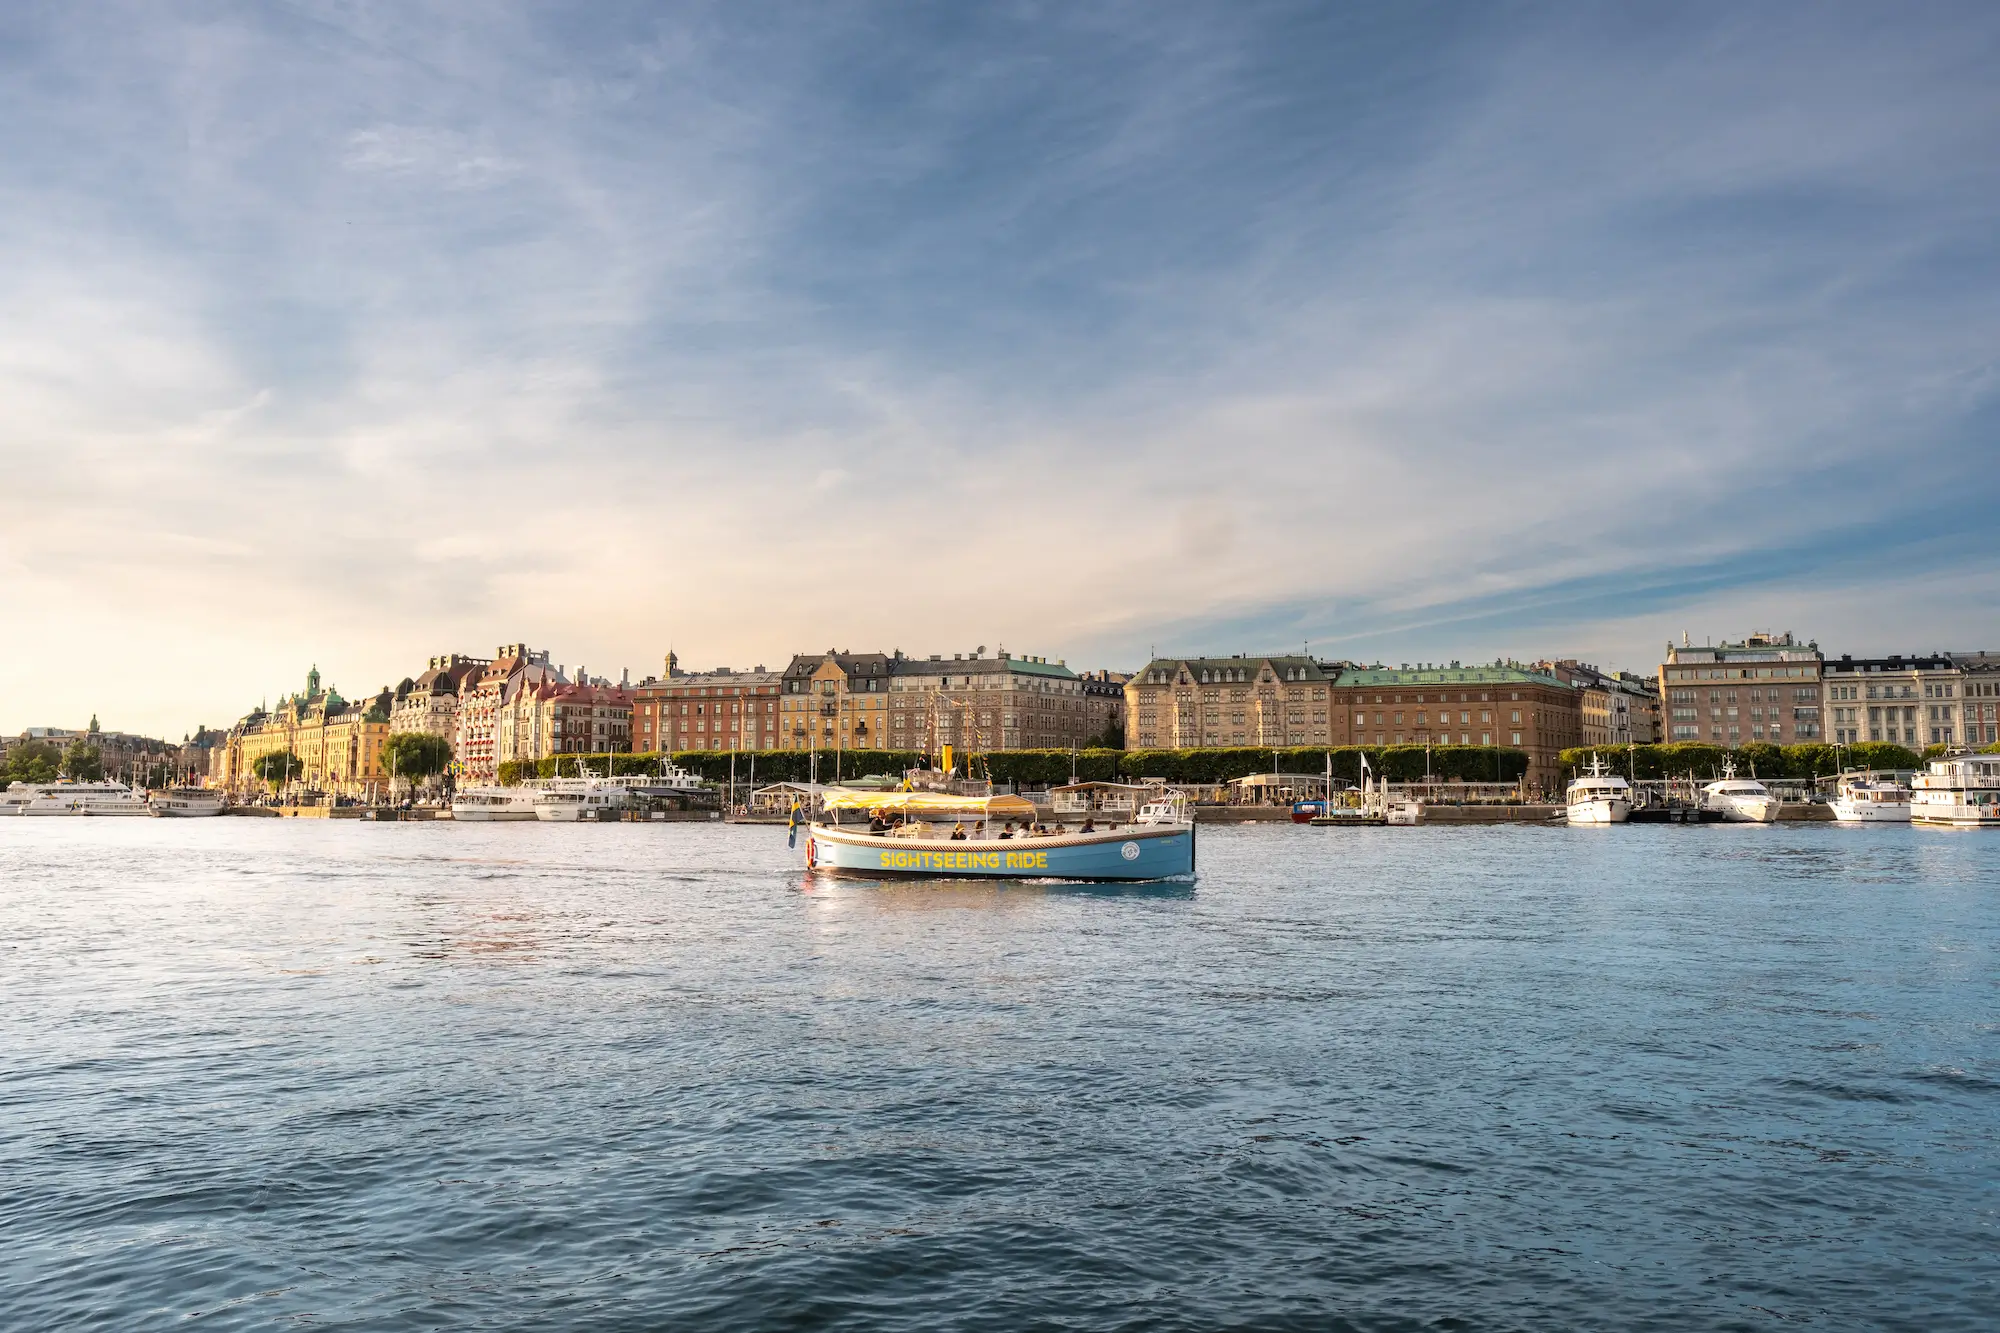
(1131, 854)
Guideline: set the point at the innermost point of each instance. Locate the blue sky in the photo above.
(352, 333)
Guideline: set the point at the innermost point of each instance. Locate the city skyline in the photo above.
(348, 337)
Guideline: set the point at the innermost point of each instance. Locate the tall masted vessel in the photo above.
(1866, 798)
(1598, 797)
(926, 835)
(1959, 791)
(72, 798)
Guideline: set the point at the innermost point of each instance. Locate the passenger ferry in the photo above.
(1866, 798)
(1740, 800)
(1959, 791)
(74, 798)
(479, 805)
(924, 834)
(1598, 797)
(187, 803)
(579, 800)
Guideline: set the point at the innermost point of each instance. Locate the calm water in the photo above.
(258, 1074)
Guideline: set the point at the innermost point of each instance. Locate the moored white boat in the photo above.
(1598, 797)
(578, 800)
(1865, 798)
(1740, 800)
(925, 834)
(81, 798)
(477, 805)
(187, 803)
(1959, 791)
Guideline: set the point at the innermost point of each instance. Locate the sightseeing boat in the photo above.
(943, 835)
(1865, 798)
(1740, 800)
(187, 803)
(1959, 791)
(1598, 797)
(75, 798)
(481, 805)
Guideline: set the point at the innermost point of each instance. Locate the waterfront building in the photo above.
(1002, 702)
(476, 748)
(972, 701)
(1200, 702)
(1104, 706)
(1618, 708)
(1505, 704)
(1914, 700)
(1979, 686)
(583, 719)
(723, 709)
(836, 701)
(429, 703)
(337, 744)
(1208, 702)
(1766, 688)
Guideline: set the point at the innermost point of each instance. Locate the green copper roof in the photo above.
(1482, 675)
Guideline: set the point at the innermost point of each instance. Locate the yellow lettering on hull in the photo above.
(968, 860)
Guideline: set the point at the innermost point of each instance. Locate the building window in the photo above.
(1517, 738)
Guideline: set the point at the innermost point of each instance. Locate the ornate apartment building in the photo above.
(337, 744)
(972, 701)
(1618, 707)
(1766, 688)
(429, 703)
(1918, 700)
(477, 747)
(1298, 701)
(721, 709)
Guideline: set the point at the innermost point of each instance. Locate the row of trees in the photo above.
(41, 761)
(1682, 759)
(1401, 763)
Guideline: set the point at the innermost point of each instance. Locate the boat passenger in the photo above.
(1089, 825)
(876, 824)
(957, 833)
(1008, 832)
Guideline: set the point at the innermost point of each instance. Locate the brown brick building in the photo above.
(707, 710)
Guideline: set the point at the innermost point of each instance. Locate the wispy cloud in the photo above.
(352, 333)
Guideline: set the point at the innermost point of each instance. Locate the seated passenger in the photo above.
(876, 824)
(1008, 832)
(1089, 825)
(958, 833)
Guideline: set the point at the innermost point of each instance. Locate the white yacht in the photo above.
(187, 803)
(1867, 798)
(671, 780)
(573, 800)
(1740, 800)
(1598, 797)
(476, 805)
(1959, 791)
(79, 798)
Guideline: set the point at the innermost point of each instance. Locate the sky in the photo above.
(348, 334)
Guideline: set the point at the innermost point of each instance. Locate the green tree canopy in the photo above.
(81, 762)
(280, 766)
(415, 754)
(36, 761)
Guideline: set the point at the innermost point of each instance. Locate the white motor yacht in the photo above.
(187, 803)
(1959, 791)
(574, 800)
(1740, 800)
(1865, 798)
(84, 798)
(476, 805)
(1598, 797)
